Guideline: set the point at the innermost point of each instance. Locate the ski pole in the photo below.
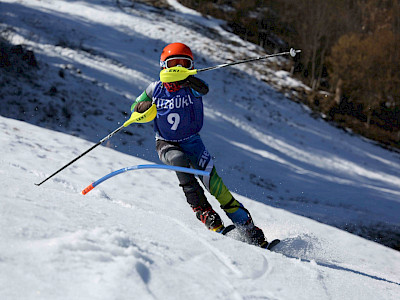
(136, 117)
(84, 153)
(292, 52)
(180, 73)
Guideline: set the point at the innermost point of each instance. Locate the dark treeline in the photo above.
(350, 49)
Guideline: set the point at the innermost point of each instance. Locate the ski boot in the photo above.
(210, 218)
(244, 223)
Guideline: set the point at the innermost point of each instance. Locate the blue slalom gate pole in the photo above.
(138, 167)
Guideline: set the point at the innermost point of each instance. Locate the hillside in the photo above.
(276, 153)
(127, 239)
(134, 236)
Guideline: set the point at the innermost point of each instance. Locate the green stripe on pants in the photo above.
(221, 192)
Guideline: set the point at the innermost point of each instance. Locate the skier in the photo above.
(178, 143)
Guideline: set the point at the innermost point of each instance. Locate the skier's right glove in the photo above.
(141, 107)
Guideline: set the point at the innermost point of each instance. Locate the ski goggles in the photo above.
(177, 62)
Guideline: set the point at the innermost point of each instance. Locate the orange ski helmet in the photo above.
(176, 53)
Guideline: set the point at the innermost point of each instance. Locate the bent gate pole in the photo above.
(138, 167)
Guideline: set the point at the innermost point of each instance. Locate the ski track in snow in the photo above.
(222, 257)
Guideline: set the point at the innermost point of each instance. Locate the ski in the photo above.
(228, 229)
(265, 245)
(270, 245)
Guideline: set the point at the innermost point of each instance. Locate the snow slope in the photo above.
(122, 241)
(134, 236)
(96, 57)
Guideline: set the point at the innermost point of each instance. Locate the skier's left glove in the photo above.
(195, 83)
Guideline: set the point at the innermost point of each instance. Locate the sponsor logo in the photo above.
(205, 157)
(177, 102)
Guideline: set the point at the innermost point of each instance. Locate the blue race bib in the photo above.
(179, 114)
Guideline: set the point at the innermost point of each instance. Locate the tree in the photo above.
(316, 28)
(364, 63)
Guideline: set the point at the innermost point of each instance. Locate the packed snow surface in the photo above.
(134, 236)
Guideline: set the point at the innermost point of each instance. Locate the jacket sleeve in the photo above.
(144, 101)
